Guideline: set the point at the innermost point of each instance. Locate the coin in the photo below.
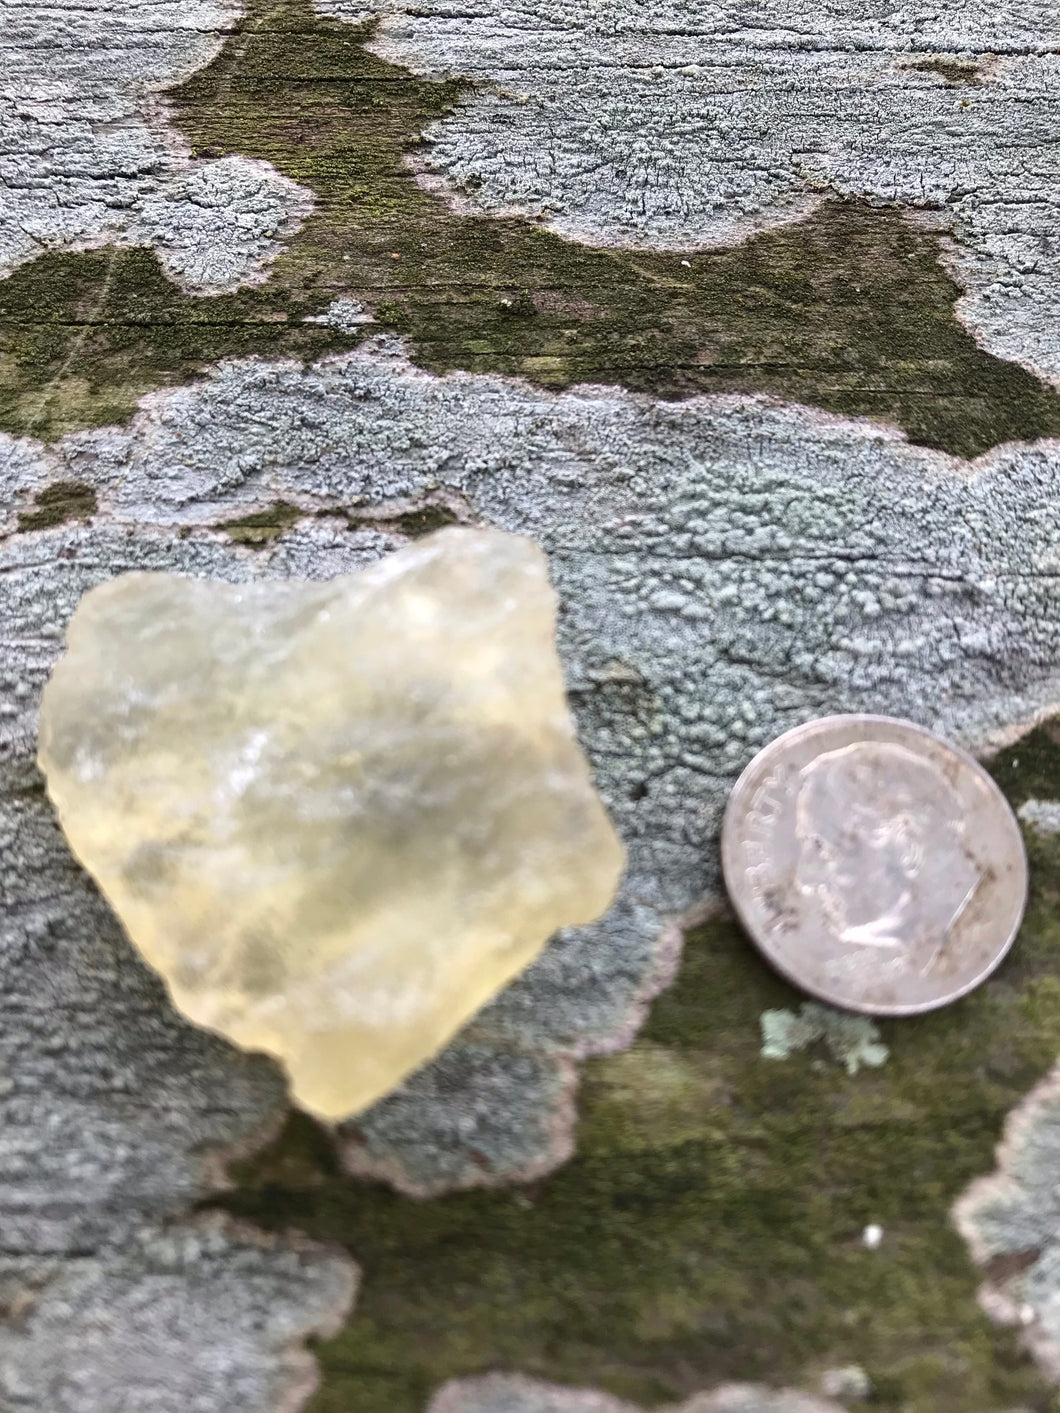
(874, 865)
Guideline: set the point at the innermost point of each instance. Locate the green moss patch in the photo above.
(135, 332)
(849, 310)
(423, 520)
(261, 527)
(57, 503)
(710, 1225)
(954, 71)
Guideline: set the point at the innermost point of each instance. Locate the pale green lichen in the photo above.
(852, 1041)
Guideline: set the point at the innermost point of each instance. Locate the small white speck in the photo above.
(687, 264)
(872, 1236)
(1027, 1315)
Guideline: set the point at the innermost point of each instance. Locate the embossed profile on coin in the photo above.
(874, 864)
(881, 844)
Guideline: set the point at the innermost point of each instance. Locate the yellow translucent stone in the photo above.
(336, 817)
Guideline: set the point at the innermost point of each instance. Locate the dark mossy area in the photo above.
(849, 310)
(416, 523)
(710, 1224)
(261, 527)
(955, 71)
(57, 503)
(83, 336)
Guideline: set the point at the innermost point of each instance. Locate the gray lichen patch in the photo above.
(1011, 1221)
(204, 1315)
(687, 126)
(484, 1112)
(849, 1382)
(727, 568)
(852, 1041)
(345, 314)
(500, 1393)
(88, 158)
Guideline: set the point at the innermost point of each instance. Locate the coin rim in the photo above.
(729, 866)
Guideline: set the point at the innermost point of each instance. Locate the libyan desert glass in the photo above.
(337, 817)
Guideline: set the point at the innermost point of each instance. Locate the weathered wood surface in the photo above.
(749, 315)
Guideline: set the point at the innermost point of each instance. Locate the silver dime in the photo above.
(875, 866)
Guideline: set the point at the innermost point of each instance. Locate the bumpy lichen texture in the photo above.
(337, 817)
(1042, 814)
(204, 1315)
